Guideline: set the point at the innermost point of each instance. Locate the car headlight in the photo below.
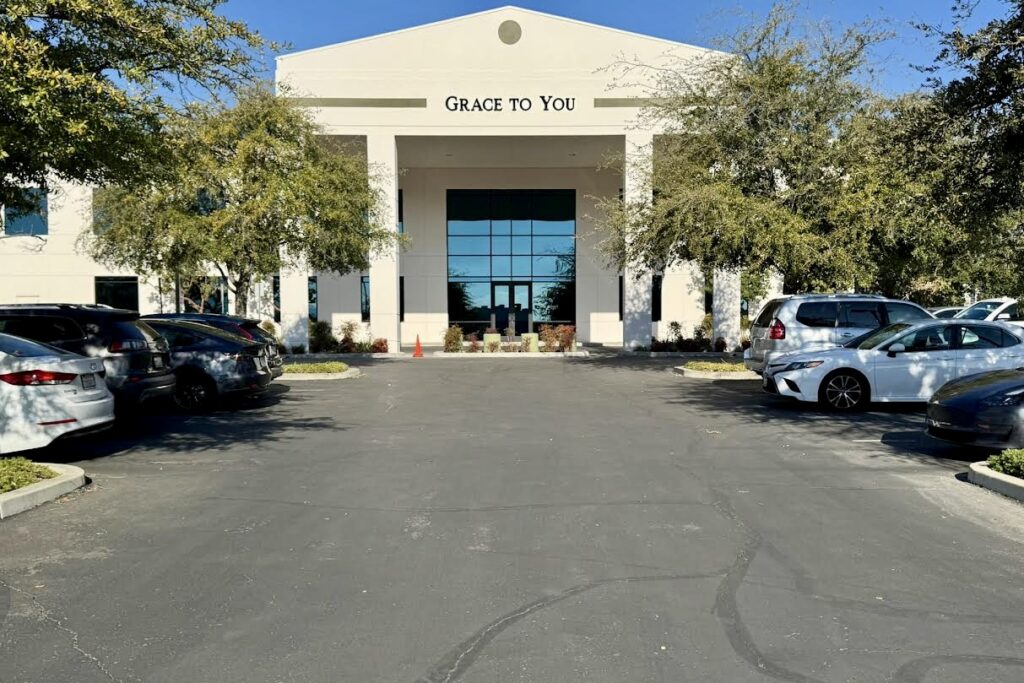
(1010, 398)
(803, 365)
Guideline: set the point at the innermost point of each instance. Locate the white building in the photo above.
(488, 135)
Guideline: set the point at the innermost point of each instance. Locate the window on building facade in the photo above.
(364, 298)
(207, 295)
(622, 296)
(656, 281)
(401, 213)
(313, 298)
(511, 252)
(31, 221)
(118, 292)
(401, 299)
(275, 284)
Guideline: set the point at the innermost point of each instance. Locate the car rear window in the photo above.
(41, 328)
(23, 348)
(767, 314)
(817, 314)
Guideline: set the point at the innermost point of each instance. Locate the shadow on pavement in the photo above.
(160, 426)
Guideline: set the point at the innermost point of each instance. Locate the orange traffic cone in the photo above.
(418, 351)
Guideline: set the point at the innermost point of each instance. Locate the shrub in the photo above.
(307, 368)
(720, 344)
(703, 331)
(659, 345)
(379, 345)
(363, 347)
(494, 346)
(474, 343)
(693, 345)
(298, 349)
(675, 330)
(320, 338)
(16, 473)
(714, 366)
(348, 334)
(566, 337)
(453, 339)
(548, 338)
(1009, 462)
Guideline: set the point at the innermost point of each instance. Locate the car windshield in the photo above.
(873, 339)
(980, 310)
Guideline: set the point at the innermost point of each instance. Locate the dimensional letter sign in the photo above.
(547, 103)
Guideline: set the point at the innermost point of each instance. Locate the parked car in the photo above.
(211, 363)
(134, 357)
(805, 322)
(984, 410)
(1002, 308)
(944, 312)
(47, 393)
(247, 328)
(900, 362)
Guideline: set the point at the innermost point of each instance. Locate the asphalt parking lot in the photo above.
(598, 520)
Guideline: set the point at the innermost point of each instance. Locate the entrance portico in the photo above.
(491, 139)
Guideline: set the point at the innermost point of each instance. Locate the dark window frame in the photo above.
(111, 280)
(657, 281)
(313, 298)
(364, 298)
(37, 220)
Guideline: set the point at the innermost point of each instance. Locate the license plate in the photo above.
(89, 381)
(158, 362)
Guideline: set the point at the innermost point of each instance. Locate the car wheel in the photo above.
(844, 391)
(195, 393)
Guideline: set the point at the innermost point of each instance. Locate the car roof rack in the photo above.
(843, 295)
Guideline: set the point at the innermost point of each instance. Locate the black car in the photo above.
(985, 410)
(247, 328)
(135, 358)
(211, 363)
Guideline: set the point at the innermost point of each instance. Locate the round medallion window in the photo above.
(510, 32)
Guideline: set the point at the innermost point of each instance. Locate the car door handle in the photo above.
(846, 334)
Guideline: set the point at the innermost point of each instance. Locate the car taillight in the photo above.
(27, 378)
(119, 345)
(777, 330)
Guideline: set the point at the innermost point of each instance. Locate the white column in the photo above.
(636, 305)
(725, 307)
(772, 289)
(382, 157)
(295, 306)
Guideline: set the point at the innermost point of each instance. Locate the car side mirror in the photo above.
(896, 348)
(1003, 316)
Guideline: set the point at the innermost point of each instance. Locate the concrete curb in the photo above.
(690, 355)
(981, 475)
(308, 376)
(728, 376)
(67, 480)
(509, 355)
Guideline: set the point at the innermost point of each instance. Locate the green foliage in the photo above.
(249, 190)
(309, 368)
(16, 473)
(321, 339)
(85, 84)
(714, 366)
(1009, 462)
(453, 339)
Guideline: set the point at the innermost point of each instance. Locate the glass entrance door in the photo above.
(511, 305)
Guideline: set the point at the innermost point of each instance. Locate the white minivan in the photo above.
(805, 322)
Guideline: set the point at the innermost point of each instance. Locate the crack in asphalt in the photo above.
(457, 661)
(726, 606)
(47, 616)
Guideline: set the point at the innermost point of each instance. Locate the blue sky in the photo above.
(312, 23)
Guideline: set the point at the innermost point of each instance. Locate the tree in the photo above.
(985, 101)
(85, 85)
(748, 171)
(251, 189)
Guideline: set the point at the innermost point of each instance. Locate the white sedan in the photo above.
(46, 393)
(901, 362)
